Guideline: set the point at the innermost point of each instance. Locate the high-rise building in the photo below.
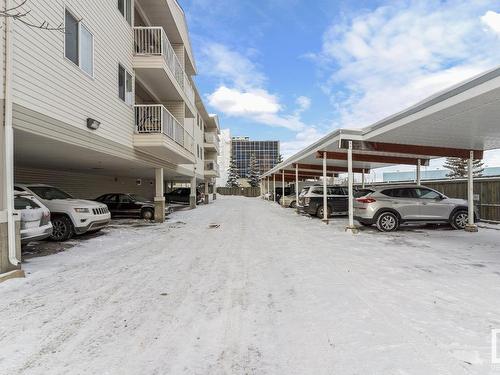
(266, 152)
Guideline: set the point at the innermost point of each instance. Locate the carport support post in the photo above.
(471, 226)
(297, 188)
(283, 186)
(192, 195)
(363, 179)
(419, 165)
(268, 182)
(325, 197)
(159, 197)
(351, 226)
(274, 187)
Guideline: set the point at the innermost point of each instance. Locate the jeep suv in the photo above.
(69, 216)
(390, 206)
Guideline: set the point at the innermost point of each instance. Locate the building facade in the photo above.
(266, 152)
(109, 105)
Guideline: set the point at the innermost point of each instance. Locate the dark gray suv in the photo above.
(390, 206)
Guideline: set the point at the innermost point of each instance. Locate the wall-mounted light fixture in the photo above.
(93, 124)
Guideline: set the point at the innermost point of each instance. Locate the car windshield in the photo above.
(23, 203)
(139, 198)
(49, 192)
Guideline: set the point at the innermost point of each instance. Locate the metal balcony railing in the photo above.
(153, 41)
(156, 119)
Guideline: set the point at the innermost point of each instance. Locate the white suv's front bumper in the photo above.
(86, 222)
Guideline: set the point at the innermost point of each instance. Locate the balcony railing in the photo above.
(211, 165)
(153, 41)
(156, 119)
(212, 138)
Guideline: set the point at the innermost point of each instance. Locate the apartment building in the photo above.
(110, 104)
(266, 153)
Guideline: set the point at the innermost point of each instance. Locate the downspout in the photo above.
(9, 141)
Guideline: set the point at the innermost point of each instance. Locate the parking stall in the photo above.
(460, 122)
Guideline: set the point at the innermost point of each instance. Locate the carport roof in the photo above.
(461, 118)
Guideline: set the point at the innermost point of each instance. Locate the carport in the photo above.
(461, 121)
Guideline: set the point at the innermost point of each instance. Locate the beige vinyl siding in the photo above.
(177, 109)
(83, 185)
(179, 52)
(46, 82)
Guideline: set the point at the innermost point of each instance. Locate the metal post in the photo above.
(268, 182)
(297, 188)
(351, 185)
(363, 179)
(274, 187)
(283, 187)
(419, 164)
(471, 227)
(325, 197)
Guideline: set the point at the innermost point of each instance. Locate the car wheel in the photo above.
(387, 222)
(293, 204)
(147, 214)
(460, 219)
(320, 212)
(62, 229)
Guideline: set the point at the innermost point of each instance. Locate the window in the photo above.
(21, 203)
(124, 85)
(78, 44)
(125, 8)
(400, 193)
(428, 194)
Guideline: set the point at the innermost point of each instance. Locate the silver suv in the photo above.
(390, 206)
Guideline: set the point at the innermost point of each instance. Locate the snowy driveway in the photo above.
(267, 292)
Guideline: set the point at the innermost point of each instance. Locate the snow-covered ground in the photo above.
(267, 292)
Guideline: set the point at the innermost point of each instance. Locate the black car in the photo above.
(130, 205)
(181, 195)
(279, 192)
(337, 200)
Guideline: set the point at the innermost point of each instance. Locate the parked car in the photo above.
(290, 200)
(35, 218)
(130, 205)
(302, 195)
(69, 216)
(390, 206)
(181, 195)
(337, 201)
(279, 192)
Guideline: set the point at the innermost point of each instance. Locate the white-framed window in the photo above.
(78, 43)
(125, 8)
(125, 85)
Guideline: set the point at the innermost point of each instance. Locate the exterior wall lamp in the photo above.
(93, 124)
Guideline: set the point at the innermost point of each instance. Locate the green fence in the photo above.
(251, 192)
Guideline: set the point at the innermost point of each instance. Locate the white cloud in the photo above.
(492, 20)
(238, 103)
(381, 62)
(242, 93)
(302, 139)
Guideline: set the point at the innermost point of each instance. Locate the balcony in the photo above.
(211, 142)
(153, 54)
(158, 133)
(211, 168)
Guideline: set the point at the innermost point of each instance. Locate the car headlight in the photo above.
(82, 210)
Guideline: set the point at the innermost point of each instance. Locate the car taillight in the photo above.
(365, 200)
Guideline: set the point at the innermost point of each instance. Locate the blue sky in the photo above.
(295, 70)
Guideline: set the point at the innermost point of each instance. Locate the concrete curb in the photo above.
(11, 275)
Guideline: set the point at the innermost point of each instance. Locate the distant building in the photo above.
(434, 174)
(224, 156)
(266, 153)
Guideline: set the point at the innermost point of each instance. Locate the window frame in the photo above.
(79, 44)
(127, 12)
(132, 78)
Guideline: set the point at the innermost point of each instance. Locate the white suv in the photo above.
(69, 216)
